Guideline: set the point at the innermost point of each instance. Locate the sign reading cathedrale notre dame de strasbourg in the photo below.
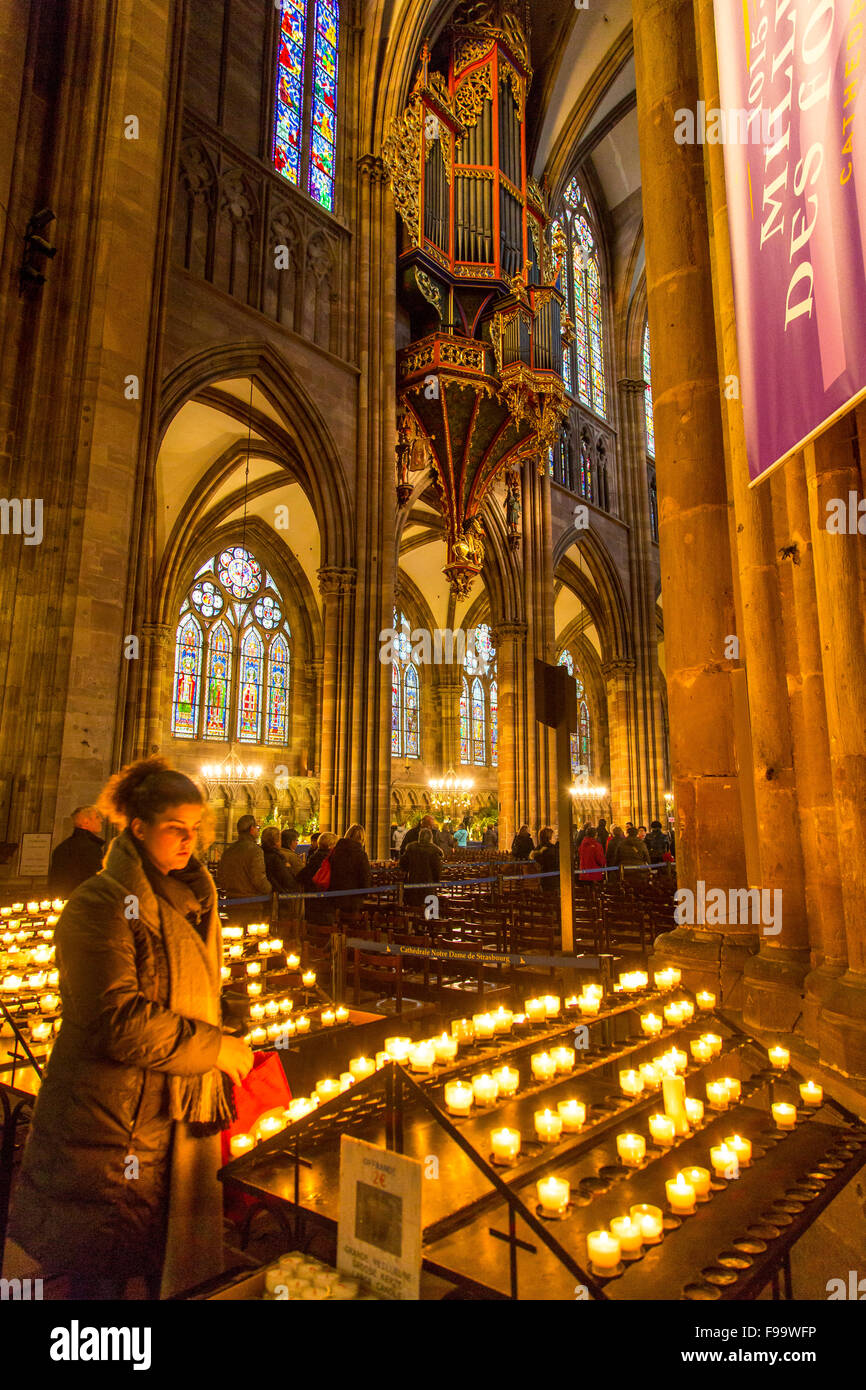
(796, 185)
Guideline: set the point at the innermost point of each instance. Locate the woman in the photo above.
(276, 868)
(461, 835)
(293, 910)
(591, 858)
(422, 863)
(350, 868)
(612, 849)
(319, 912)
(118, 1177)
(521, 845)
(547, 859)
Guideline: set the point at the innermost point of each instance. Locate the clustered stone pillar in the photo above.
(509, 640)
(694, 543)
(618, 675)
(155, 689)
(336, 586)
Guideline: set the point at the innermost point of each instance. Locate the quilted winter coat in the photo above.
(104, 1095)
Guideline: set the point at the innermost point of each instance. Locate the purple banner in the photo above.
(790, 74)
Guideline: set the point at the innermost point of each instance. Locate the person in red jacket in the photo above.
(592, 861)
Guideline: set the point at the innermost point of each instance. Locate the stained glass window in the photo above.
(581, 346)
(585, 471)
(566, 369)
(239, 572)
(232, 664)
(572, 195)
(580, 751)
(305, 143)
(575, 755)
(250, 691)
(583, 733)
(494, 725)
(219, 662)
(567, 660)
(278, 692)
(648, 396)
(478, 722)
(187, 679)
(583, 364)
(405, 695)
(464, 722)
(593, 285)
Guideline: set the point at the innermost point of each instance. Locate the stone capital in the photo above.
(508, 632)
(334, 580)
(158, 634)
(628, 386)
(371, 167)
(620, 666)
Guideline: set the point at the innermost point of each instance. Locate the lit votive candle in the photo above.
(274, 1031)
(717, 1095)
(552, 1005)
(270, 1125)
(679, 1058)
(780, 1058)
(687, 1009)
(571, 1003)
(49, 1002)
(53, 978)
(741, 1147)
(258, 1035)
(422, 1057)
(628, 1233)
(241, 1144)
(458, 1098)
(563, 1058)
(254, 988)
(299, 1107)
(257, 1011)
(589, 1005)
(462, 1030)
(603, 1250)
(706, 1000)
(485, 1089)
(308, 978)
(725, 1162)
(284, 1005)
(680, 1195)
(631, 1083)
(235, 951)
(573, 1115)
(673, 1013)
(631, 1149)
(785, 1115)
(445, 1048)
(225, 973)
(327, 1018)
(664, 979)
(534, 1010)
(232, 933)
(700, 1050)
(694, 1110)
(811, 1094)
(502, 1020)
(288, 1026)
(661, 1127)
(302, 1024)
(505, 1144)
(264, 948)
(650, 1075)
(346, 1080)
(327, 1088)
(553, 1194)
(293, 962)
(41, 1031)
(699, 1179)
(651, 1222)
(361, 1067)
(32, 908)
(714, 1042)
(484, 1026)
(341, 1013)
(543, 1066)
(36, 980)
(382, 1060)
(507, 1079)
(272, 1008)
(651, 1024)
(398, 1048)
(734, 1086)
(548, 1126)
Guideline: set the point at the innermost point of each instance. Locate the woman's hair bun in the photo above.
(144, 789)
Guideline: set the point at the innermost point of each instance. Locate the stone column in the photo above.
(336, 587)
(311, 714)
(540, 767)
(510, 642)
(648, 747)
(832, 471)
(695, 553)
(773, 979)
(155, 687)
(619, 676)
(447, 751)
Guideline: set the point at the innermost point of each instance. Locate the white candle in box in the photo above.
(308, 978)
(483, 1025)
(628, 1233)
(507, 1079)
(327, 1018)
(346, 1080)
(422, 1057)
(631, 1083)
(502, 1020)
(734, 1088)
(534, 1009)
(680, 1195)
(445, 1048)
(284, 1006)
(302, 1024)
(811, 1094)
(664, 979)
(700, 1050)
(725, 1162)
(458, 1097)
(361, 1067)
(741, 1147)
(589, 1005)
(258, 1035)
(505, 1143)
(699, 1179)
(241, 1144)
(485, 1089)
(563, 1058)
(651, 1076)
(706, 1000)
(717, 1095)
(694, 1110)
(398, 1048)
(274, 1031)
(552, 1005)
(714, 1042)
(543, 1066)
(651, 1025)
(254, 988)
(631, 1149)
(572, 1113)
(272, 1008)
(784, 1114)
(780, 1058)
(553, 1193)
(548, 1126)
(603, 1250)
(327, 1088)
(661, 1127)
(651, 1222)
(235, 952)
(341, 1013)
(293, 962)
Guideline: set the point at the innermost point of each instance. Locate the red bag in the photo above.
(264, 1088)
(322, 876)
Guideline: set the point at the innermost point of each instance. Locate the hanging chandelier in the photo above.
(451, 796)
(231, 775)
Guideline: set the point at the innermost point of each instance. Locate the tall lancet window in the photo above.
(232, 655)
(580, 282)
(648, 396)
(305, 116)
(581, 749)
(479, 701)
(405, 695)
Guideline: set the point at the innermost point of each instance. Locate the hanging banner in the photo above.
(790, 74)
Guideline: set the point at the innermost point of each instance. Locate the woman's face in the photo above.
(171, 837)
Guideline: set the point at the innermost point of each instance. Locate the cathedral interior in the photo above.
(364, 354)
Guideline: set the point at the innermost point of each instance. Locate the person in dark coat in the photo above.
(592, 858)
(522, 844)
(294, 910)
(314, 845)
(547, 859)
(657, 842)
(602, 833)
(411, 837)
(276, 868)
(613, 845)
(422, 863)
(632, 854)
(79, 856)
(317, 910)
(490, 838)
(118, 1177)
(241, 870)
(350, 868)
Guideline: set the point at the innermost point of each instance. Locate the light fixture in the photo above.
(451, 795)
(589, 793)
(231, 774)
